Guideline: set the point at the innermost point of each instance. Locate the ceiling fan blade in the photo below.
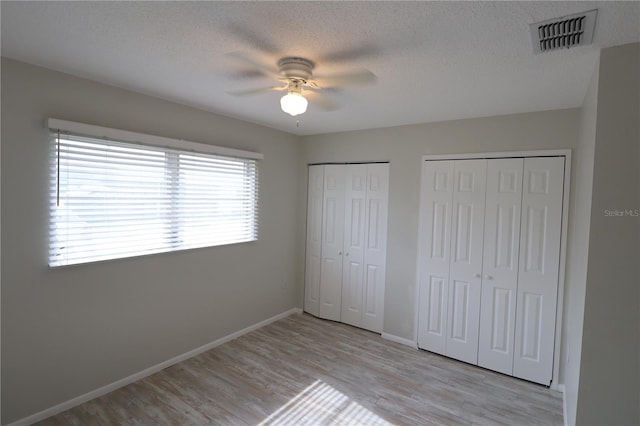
(270, 71)
(257, 91)
(256, 40)
(321, 100)
(361, 77)
(366, 50)
(248, 74)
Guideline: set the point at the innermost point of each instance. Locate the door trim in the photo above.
(501, 154)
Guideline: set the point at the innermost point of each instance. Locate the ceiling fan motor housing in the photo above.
(296, 68)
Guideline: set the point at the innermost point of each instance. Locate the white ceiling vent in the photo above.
(563, 33)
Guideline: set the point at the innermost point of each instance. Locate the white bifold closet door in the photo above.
(354, 243)
(537, 297)
(500, 264)
(453, 196)
(331, 243)
(490, 251)
(465, 276)
(346, 238)
(366, 245)
(375, 253)
(433, 282)
(315, 200)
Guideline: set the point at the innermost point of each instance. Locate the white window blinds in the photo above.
(112, 199)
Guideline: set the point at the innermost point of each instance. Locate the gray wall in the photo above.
(577, 255)
(609, 369)
(70, 330)
(403, 147)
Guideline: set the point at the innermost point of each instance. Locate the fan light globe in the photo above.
(293, 103)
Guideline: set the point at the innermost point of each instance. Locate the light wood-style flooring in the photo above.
(302, 371)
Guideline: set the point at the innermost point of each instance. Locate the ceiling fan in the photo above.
(296, 77)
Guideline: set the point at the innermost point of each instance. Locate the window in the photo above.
(112, 199)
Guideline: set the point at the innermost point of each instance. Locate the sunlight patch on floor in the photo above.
(320, 403)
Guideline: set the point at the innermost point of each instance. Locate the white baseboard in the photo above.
(564, 404)
(399, 339)
(57, 409)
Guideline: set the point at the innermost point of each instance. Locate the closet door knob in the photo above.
(478, 275)
(489, 277)
(339, 253)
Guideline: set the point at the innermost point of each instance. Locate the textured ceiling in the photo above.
(434, 60)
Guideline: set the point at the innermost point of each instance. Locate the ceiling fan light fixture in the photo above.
(293, 103)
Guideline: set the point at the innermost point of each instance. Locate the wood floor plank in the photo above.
(305, 371)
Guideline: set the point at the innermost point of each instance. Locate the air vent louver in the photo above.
(563, 33)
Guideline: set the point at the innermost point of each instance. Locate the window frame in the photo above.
(104, 138)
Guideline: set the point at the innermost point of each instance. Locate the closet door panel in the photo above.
(375, 249)
(538, 270)
(500, 264)
(354, 243)
(466, 259)
(314, 240)
(435, 250)
(332, 242)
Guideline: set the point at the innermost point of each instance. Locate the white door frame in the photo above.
(566, 153)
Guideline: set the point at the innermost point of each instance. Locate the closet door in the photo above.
(543, 187)
(332, 240)
(375, 249)
(435, 251)
(354, 243)
(465, 274)
(500, 264)
(314, 240)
